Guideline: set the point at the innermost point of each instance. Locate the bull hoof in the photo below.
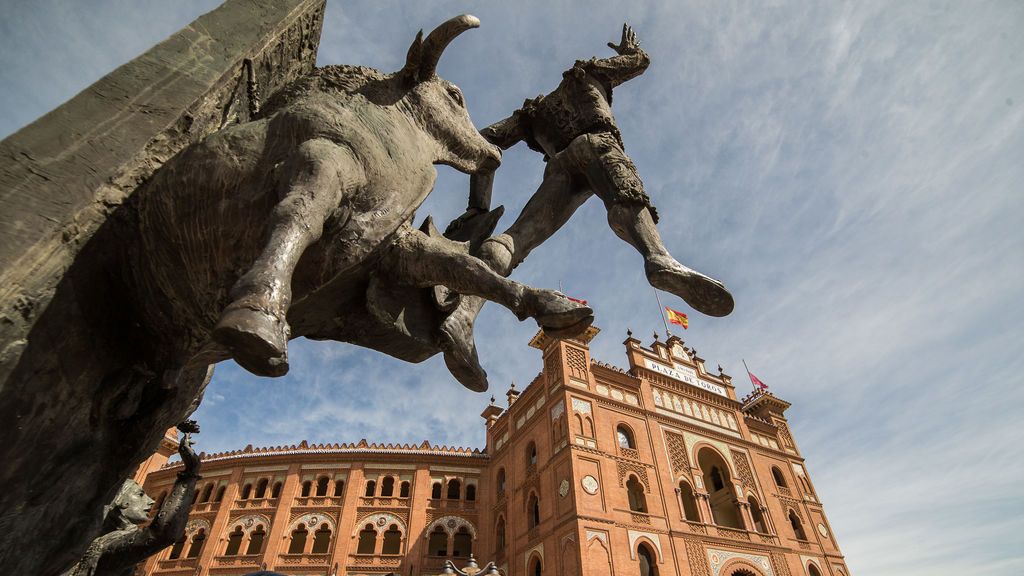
(257, 340)
(460, 350)
(703, 293)
(557, 315)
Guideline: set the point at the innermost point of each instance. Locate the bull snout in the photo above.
(492, 160)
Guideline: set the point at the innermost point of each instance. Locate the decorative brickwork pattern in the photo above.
(625, 468)
(779, 563)
(576, 360)
(742, 465)
(677, 453)
(698, 560)
(787, 439)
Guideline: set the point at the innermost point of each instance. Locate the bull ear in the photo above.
(410, 72)
(439, 39)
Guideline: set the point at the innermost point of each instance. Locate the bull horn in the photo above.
(438, 40)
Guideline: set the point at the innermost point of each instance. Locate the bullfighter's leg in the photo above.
(254, 327)
(615, 180)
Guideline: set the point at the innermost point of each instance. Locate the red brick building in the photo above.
(654, 468)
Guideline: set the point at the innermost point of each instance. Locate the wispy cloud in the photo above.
(852, 171)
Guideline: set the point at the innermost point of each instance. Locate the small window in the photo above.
(535, 567)
(625, 438)
(533, 509)
(635, 491)
(246, 491)
(471, 492)
(298, 543)
(798, 528)
(321, 485)
(307, 488)
(689, 502)
(387, 487)
(499, 535)
(234, 542)
(531, 454)
(648, 563)
(780, 480)
(256, 540)
(435, 491)
(339, 488)
(179, 545)
(220, 494)
(322, 539)
(371, 488)
(275, 492)
(403, 491)
(716, 479)
(367, 540)
(261, 488)
(454, 489)
(501, 481)
(462, 543)
(197, 544)
(438, 543)
(392, 541)
(206, 493)
(756, 515)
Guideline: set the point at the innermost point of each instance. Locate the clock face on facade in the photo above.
(563, 488)
(589, 484)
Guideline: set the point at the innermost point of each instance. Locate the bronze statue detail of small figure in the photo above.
(574, 128)
(125, 541)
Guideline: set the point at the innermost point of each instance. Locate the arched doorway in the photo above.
(718, 483)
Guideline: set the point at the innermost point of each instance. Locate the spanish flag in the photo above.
(677, 317)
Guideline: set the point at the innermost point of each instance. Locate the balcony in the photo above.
(178, 564)
(256, 504)
(384, 502)
(317, 501)
(246, 560)
(454, 505)
(732, 533)
(319, 560)
(205, 507)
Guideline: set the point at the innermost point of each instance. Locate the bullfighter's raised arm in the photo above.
(631, 61)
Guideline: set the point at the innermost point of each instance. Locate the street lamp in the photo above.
(471, 569)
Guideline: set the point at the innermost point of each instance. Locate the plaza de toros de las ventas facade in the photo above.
(655, 468)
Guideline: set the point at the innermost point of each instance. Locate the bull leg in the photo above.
(254, 327)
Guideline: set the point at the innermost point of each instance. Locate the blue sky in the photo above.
(853, 171)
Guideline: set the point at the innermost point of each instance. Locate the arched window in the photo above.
(367, 540)
(648, 561)
(321, 485)
(371, 488)
(403, 491)
(689, 502)
(220, 494)
(625, 437)
(462, 543)
(722, 496)
(195, 497)
(535, 567)
(179, 545)
(322, 538)
(261, 488)
(499, 535)
(307, 488)
(392, 541)
(812, 570)
(501, 481)
(197, 543)
(387, 486)
(435, 491)
(298, 543)
(588, 427)
(454, 489)
(470, 492)
(780, 480)
(756, 515)
(806, 485)
(275, 492)
(533, 511)
(798, 527)
(206, 493)
(256, 540)
(234, 542)
(578, 419)
(246, 491)
(531, 454)
(438, 544)
(635, 491)
(339, 488)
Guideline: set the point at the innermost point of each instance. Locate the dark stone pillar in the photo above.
(78, 412)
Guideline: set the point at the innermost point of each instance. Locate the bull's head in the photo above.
(438, 105)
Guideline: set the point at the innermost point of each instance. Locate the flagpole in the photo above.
(752, 385)
(661, 310)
